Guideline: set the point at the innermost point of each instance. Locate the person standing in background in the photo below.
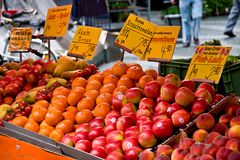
(191, 11)
(232, 18)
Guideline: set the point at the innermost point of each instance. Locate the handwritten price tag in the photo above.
(57, 21)
(162, 44)
(208, 63)
(20, 39)
(84, 42)
(135, 35)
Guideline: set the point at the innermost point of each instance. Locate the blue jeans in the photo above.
(190, 9)
(233, 16)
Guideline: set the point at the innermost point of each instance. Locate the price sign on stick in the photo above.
(57, 21)
(208, 63)
(162, 44)
(135, 35)
(84, 42)
(20, 39)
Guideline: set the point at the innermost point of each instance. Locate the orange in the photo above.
(96, 77)
(20, 121)
(79, 82)
(75, 95)
(107, 88)
(160, 79)
(59, 102)
(42, 103)
(134, 64)
(119, 89)
(53, 117)
(56, 134)
(43, 124)
(84, 116)
(65, 125)
(124, 76)
(93, 85)
(125, 82)
(135, 73)
(38, 115)
(32, 125)
(46, 130)
(151, 72)
(72, 109)
(92, 94)
(104, 97)
(107, 72)
(69, 116)
(110, 79)
(119, 68)
(86, 103)
(144, 80)
(61, 91)
(101, 110)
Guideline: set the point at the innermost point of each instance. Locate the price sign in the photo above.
(135, 35)
(57, 21)
(84, 42)
(20, 39)
(208, 63)
(162, 44)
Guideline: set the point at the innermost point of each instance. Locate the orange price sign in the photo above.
(208, 63)
(135, 35)
(20, 39)
(162, 44)
(57, 21)
(84, 42)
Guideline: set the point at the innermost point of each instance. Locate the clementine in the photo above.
(107, 88)
(96, 77)
(110, 79)
(135, 73)
(144, 80)
(32, 125)
(46, 130)
(101, 110)
(65, 125)
(84, 116)
(61, 91)
(20, 121)
(92, 94)
(56, 134)
(53, 117)
(93, 85)
(86, 103)
(79, 82)
(104, 97)
(151, 72)
(119, 68)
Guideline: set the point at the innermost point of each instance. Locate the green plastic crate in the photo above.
(231, 79)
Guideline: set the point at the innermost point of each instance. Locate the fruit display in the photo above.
(123, 112)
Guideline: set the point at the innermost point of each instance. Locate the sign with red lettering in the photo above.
(208, 63)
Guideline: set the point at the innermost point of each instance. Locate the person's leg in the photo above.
(186, 21)
(196, 15)
(232, 18)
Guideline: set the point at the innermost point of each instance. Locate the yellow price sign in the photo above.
(162, 44)
(84, 42)
(208, 63)
(57, 21)
(135, 35)
(20, 39)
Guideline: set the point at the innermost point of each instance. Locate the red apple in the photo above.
(173, 79)
(39, 68)
(116, 135)
(25, 66)
(19, 80)
(32, 76)
(118, 101)
(163, 128)
(11, 72)
(109, 128)
(132, 115)
(80, 136)
(189, 84)
(180, 118)
(152, 89)
(204, 93)
(184, 96)
(39, 62)
(129, 142)
(208, 87)
(50, 66)
(99, 152)
(146, 125)
(199, 106)
(98, 121)
(129, 107)
(27, 86)
(95, 132)
(114, 146)
(144, 111)
(168, 92)
(99, 141)
(67, 140)
(159, 99)
(84, 145)
(157, 117)
(21, 72)
(115, 156)
(84, 127)
(173, 108)
(147, 139)
(149, 102)
(164, 150)
(142, 119)
(12, 89)
(217, 98)
(134, 95)
(133, 153)
(162, 107)
(124, 122)
(3, 83)
(132, 132)
(111, 119)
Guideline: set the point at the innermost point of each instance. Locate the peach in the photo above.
(210, 149)
(225, 118)
(206, 157)
(199, 135)
(234, 131)
(146, 154)
(179, 154)
(234, 156)
(161, 157)
(220, 141)
(220, 128)
(231, 109)
(164, 150)
(210, 137)
(186, 143)
(191, 156)
(235, 121)
(205, 121)
(180, 118)
(197, 148)
(223, 153)
(233, 144)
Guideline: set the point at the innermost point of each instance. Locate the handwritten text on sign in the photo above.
(135, 35)
(162, 44)
(20, 39)
(57, 21)
(84, 42)
(208, 63)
